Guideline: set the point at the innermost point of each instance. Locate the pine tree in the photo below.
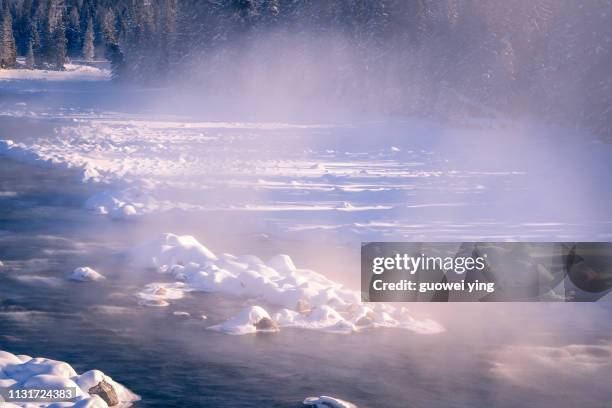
(30, 59)
(73, 32)
(22, 23)
(117, 61)
(167, 37)
(88, 42)
(37, 51)
(46, 40)
(8, 51)
(59, 45)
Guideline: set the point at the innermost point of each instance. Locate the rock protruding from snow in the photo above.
(250, 320)
(85, 274)
(105, 391)
(327, 402)
(94, 389)
(303, 298)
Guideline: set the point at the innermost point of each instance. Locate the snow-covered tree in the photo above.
(30, 59)
(8, 50)
(88, 42)
(59, 45)
(73, 31)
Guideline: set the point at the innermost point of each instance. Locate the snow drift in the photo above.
(21, 371)
(301, 298)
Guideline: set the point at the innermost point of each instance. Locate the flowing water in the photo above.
(493, 355)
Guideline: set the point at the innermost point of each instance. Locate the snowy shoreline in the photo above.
(72, 72)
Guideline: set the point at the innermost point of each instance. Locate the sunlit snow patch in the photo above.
(71, 72)
(249, 320)
(85, 274)
(124, 204)
(327, 402)
(302, 298)
(93, 388)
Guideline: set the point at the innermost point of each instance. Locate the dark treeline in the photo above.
(548, 58)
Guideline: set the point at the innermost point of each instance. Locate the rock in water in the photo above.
(266, 324)
(105, 391)
(303, 306)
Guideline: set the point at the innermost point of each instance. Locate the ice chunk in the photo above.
(249, 320)
(103, 203)
(124, 212)
(320, 318)
(85, 274)
(307, 299)
(170, 249)
(327, 402)
(24, 371)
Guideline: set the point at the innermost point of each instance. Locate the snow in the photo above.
(170, 249)
(394, 185)
(245, 322)
(72, 72)
(85, 274)
(158, 294)
(327, 402)
(123, 204)
(24, 371)
(302, 298)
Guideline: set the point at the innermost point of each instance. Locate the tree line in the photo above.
(49, 32)
(542, 57)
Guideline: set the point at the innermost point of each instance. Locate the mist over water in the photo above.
(494, 354)
(308, 138)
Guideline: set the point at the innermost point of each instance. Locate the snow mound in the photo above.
(250, 320)
(123, 204)
(37, 156)
(171, 249)
(327, 402)
(85, 274)
(27, 372)
(157, 294)
(302, 298)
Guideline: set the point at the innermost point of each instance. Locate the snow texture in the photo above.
(72, 72)
(85, 274)
(327, 402)
(307, 179)
(303, 298)
(21, 371)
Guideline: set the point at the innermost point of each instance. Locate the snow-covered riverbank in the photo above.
(410, 180)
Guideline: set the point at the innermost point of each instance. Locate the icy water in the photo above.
(489, 356)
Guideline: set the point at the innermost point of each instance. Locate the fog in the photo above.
(309, 140)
